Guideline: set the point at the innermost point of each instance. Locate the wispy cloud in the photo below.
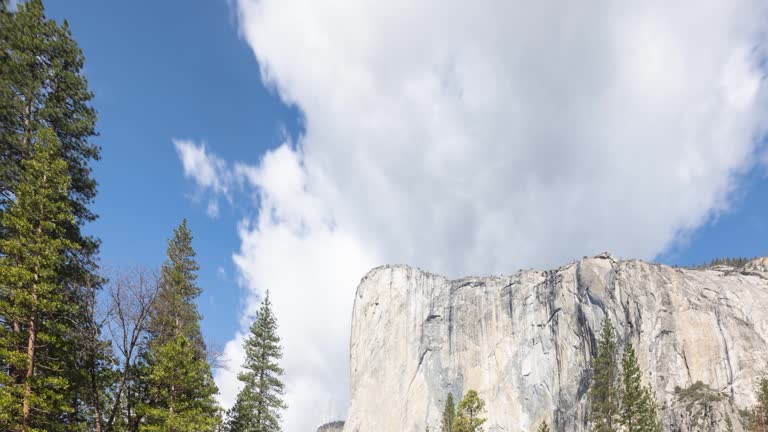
(209, 172)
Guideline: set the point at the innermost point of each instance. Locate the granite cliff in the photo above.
(525, 342)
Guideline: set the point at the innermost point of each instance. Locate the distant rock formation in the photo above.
(337, 426)
(525, 341)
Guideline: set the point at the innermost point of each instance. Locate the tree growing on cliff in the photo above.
(543, 427)
(603, 393)
(259, 404)
(449, 414)
(468, 414)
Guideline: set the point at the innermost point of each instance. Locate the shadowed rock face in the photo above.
(525, 341)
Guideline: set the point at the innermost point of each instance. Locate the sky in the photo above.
(307, 141)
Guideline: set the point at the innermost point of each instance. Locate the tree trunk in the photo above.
(26, 412)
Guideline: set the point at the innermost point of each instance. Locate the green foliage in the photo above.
(649, 417)
(181, 388)
(259, 403)
(635, 410)
(758, 418)
(543, 427)
(175, 312)
(449, 414)
(734, 262)
(42, 91)
(603, 394)
(468, 414)
(35, 252)
(633, 395)
(42, 87)
(698, 393)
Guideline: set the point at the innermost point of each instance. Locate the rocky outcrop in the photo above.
(525, 341)
(700, 408)
(337, 426)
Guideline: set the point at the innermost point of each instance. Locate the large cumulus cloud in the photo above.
(482, 137)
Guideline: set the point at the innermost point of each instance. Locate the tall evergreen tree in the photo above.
(449, 414)
(175, 312)
(638, 406)
(182, 389)
(178, 378)
(633, 394)
(650, 420)
(468, 414)
(603, 393)
(259, 403)
(42, 88)
(758, 421)
(34, 254)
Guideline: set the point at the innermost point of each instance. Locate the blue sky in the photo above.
(437, 146)
(159, 75)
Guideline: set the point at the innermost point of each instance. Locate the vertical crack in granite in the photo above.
(729, 367)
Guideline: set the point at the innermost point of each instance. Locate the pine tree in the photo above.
(468, 414)
(543, 427)
(638, 405)
(175, 312)
(182, 390)
(449, 414)
(603, 393)
(649, 420)
(758, 421)
(42, 88)
(34, 253)
(259, 403)
(633, 394)
(177, 375)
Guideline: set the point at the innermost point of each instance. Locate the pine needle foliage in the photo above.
(34, 254)
(638, 406)
(468, 415)
(603, 394)
(449, 414)
(543, 427)
(43, 91)
(182, 390)
(179, 380)
(758, 418)
(175, 312)
(259, 404)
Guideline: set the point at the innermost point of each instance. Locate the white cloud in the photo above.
(309, 265)
(208, 171)
(481, 137)
(213, 208)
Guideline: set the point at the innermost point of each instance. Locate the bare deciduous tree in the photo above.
(128, 301)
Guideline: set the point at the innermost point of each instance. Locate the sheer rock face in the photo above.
(524, 341)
